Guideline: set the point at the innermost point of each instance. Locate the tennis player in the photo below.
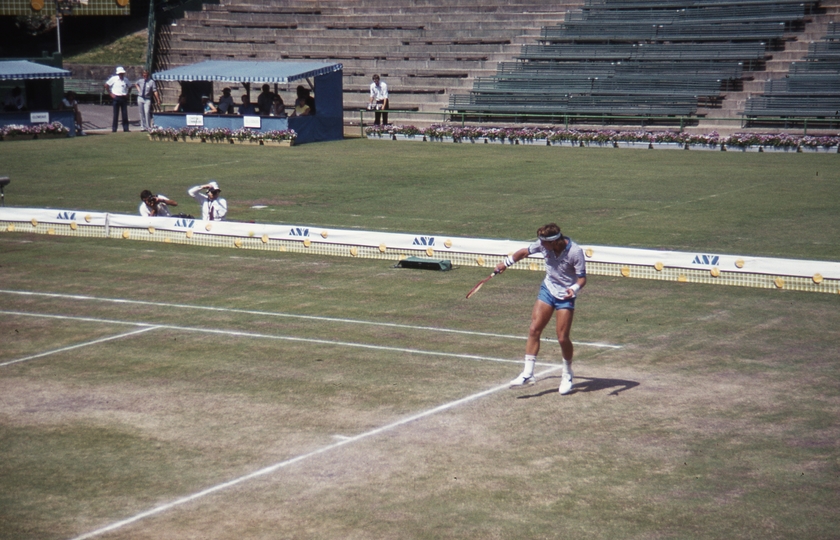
(565, 276)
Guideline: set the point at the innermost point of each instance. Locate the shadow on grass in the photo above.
(588, 384)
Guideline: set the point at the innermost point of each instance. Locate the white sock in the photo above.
(567, 368)
(530, 360)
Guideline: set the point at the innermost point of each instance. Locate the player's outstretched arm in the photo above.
(510, 260)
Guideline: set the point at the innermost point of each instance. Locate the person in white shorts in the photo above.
(565, 276)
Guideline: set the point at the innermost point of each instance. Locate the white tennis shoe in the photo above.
(566, 382)
(523, 380)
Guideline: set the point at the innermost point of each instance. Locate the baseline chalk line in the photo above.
(237, 333)
(77, 346)
(293, 316)
(277, 466)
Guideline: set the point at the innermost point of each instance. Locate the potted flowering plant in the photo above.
(217, 135)
(469, 134)
(742, 141)
(44, 131)
(668, 140)
(241, 135)
(53, 129)
(610, 138)
(706, 141)
(818, 144)
(492, 134)
(408, 131)
(375, 131)
(276, 137)
(558, 137)
(439, 132)
(15, 131)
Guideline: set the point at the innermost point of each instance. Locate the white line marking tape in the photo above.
(290, 315)
(273, 468)
(71, 347)
(268, 336)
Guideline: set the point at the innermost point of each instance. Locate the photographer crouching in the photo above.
(155, 206)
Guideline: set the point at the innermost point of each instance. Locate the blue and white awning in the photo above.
(235, 71)
(21, 70)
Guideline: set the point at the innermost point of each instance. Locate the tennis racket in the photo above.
(481, 283)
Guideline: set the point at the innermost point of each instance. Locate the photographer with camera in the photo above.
(213, 207)
(155, 206)
(379, 100)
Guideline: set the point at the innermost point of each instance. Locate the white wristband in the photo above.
(509, 261)
(575, 288)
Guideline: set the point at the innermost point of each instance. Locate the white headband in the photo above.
(557, 236)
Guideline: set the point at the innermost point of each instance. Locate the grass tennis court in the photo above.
(189, 392)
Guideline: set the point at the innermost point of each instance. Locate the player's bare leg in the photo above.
(564, 328)
(540, 316)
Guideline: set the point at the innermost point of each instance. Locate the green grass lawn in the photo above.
(772, 205)
(133, 375)
(130, 50)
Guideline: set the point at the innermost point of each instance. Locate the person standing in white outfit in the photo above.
(379, 100)
(147, 96)
(119, 89)
(213, 207)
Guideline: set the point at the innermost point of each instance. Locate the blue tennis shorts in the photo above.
(558, 304)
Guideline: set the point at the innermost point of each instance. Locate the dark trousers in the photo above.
(120, 104)
(381, 115)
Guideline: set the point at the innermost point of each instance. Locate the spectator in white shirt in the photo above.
(213, 207)
(119, 88)
(379, 100)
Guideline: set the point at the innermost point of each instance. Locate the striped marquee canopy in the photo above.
(21, 70)
(234, 71)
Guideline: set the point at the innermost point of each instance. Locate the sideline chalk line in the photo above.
(79, 345)
(290, 315)
(153, 326)
(272, 468)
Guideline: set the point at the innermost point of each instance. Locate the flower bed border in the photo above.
(743, 142)
(17, 132)
(224, 136)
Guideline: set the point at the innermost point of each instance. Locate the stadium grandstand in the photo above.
(686, 62)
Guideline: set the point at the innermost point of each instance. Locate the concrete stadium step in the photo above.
(392, 50)
(485, 67)
(361, 99)
(501, 20)
(337, 39)
(232, 44)
(267, 52)
(423, 19)
(414, 4)
(403, 83)
(442, 33)
(298, 32)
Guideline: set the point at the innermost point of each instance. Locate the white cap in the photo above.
(120, 69)
(213, 185)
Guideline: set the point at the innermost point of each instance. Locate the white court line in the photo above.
(273, 468)
(71, 347)
(268, 336)
(290, 315)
